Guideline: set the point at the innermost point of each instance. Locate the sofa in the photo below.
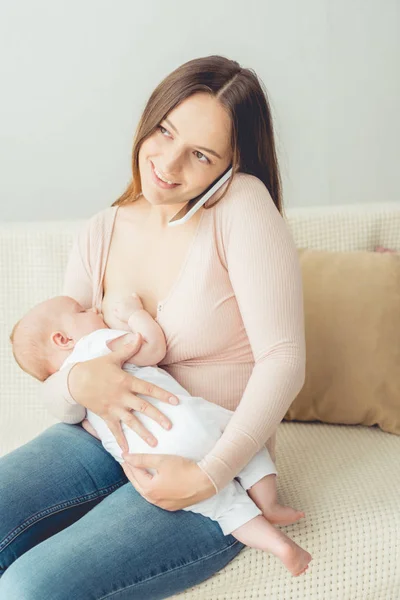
(345, 477)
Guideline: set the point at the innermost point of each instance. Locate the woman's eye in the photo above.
(161, 129)
(197, 152)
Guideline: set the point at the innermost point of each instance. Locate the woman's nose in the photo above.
(172, 164)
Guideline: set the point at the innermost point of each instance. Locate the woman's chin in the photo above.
(157, 197)
(153, 195)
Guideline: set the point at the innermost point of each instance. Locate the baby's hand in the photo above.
(125, 308)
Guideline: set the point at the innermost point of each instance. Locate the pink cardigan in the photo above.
(233, 321)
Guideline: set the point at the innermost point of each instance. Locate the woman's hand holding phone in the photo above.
(102, 386)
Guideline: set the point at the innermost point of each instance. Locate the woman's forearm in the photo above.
(57, 398)
(272, 387)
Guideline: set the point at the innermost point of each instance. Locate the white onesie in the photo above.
(197, 424)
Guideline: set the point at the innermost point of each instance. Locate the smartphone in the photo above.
(185, 213)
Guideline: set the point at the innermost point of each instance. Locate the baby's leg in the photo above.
(238, 515)
(260, 534)
(264, 494)
(258, 478)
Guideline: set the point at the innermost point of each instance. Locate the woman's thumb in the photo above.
(128, 346)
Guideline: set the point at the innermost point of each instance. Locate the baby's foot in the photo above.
(294, 558)
(282, 515)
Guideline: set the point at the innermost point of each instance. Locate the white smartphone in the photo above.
(185, 213)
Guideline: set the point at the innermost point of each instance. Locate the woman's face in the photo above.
(184, 151)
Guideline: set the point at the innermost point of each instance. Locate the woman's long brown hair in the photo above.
(243, 96)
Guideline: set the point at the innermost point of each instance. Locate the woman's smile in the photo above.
(162, 184)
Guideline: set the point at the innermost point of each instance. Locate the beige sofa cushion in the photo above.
(352, 320)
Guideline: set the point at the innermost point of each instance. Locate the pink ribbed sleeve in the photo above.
(77, 284)
(263, 266)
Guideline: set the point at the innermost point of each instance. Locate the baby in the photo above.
(60, 331)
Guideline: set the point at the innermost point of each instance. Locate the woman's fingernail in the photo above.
(173, 400)
(151, 441)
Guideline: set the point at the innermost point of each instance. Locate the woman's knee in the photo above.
(13, 585)
(49, 483)
(25, 581)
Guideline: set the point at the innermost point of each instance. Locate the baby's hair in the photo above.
(13, 332)
(29, 350)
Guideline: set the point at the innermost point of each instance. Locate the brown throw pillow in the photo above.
(352, 322)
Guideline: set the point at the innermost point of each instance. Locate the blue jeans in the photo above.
(73, 527)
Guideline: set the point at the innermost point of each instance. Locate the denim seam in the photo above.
(56, 509)
(169, 571)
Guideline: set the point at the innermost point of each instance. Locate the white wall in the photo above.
(75, 76)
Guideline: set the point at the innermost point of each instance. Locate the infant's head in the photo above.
(47, 334)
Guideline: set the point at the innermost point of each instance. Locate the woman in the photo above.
(226, 289)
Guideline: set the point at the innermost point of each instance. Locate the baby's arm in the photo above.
(154, 346)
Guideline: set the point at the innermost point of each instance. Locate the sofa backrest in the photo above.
(32, 262)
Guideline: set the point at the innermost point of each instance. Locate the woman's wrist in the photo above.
(206, 484)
